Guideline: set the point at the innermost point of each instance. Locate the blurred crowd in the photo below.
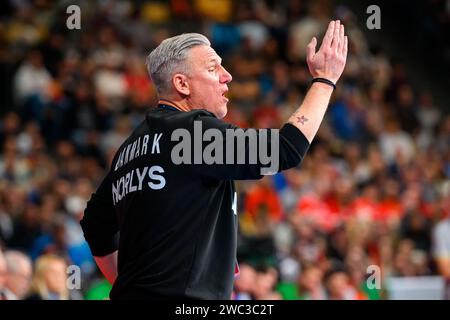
(373, 190)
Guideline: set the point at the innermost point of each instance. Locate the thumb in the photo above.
(311, 49)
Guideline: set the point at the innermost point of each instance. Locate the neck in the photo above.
(180, 105)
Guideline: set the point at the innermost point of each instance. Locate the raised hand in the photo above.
(329, 61)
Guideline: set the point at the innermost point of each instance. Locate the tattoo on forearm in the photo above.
(302, 119)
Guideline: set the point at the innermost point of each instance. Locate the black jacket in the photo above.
(177, 223)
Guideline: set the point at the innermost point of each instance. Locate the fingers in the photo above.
(341, 39)
(311, 49)
(336, 34)
(326, 42)
(345, 47)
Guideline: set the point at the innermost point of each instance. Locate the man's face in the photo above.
(207, 81)
(19, 281)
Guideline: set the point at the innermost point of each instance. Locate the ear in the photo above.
(181, 84)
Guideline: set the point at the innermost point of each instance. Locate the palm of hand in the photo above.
(329, 61)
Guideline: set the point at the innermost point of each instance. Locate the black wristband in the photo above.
(323, 80)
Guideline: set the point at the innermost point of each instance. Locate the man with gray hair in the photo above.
(18, 275)
(163, 223)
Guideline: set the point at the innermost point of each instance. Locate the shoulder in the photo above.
(199, 118)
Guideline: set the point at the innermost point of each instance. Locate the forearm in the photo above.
(308, 117)
(108, 266)
(327, 63)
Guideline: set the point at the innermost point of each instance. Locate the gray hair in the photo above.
(169, 57)
(14, 259)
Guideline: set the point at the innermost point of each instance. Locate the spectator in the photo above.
(49, 279)
(310, 284)
(244, 282)
(441, 251)
(32, 86)
(338, 287)
(18, 276)
(264, 288)
(394, 141)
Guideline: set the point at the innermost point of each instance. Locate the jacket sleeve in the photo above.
(264, 152)
(99, 222)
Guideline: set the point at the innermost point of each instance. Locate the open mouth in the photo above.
(224, 95)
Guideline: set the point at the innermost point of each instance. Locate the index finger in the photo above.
(326, 42)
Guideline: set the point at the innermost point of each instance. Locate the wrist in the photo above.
(324, 81)
(322, 87)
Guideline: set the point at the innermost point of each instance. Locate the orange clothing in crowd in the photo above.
(263, 196)
(364, 209)
(319, 210)
(389, 208)
(139, 86)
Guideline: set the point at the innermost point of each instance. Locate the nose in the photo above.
(225, 76)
